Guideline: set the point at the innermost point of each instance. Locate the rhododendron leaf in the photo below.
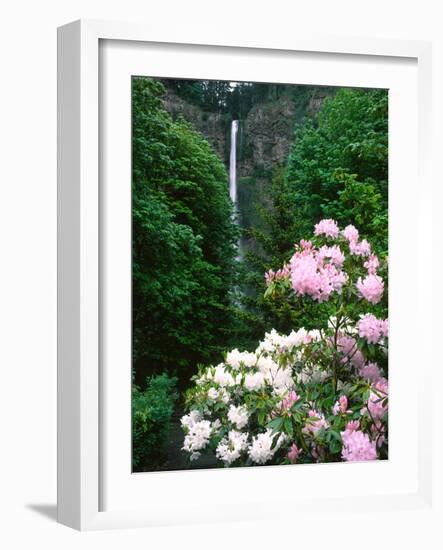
(289, 429)
(336, 435)
(276, 423)
(361, 344)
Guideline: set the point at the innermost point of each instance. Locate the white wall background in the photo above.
(28, 253)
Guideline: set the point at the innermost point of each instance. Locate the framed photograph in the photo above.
(235, 225)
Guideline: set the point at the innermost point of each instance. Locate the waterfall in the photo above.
(233, 179)
(233, 164)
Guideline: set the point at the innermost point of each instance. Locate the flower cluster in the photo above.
(311, 395)
(256, 408)
(320, 273)
(377, 402)
(356, 445)
(371, 288)
(264, 446)
(327, 227)
(198, 432)
(314, 276)
(372, 329)
(315, 422)
(230, 448)
(238, 416)
(341, 406)
(279, 275)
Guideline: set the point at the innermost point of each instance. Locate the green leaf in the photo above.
(288, 427)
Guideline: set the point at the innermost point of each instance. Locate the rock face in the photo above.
(264, 140)
(266, 136)
(211, 125)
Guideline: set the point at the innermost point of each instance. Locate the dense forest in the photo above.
(304, 153)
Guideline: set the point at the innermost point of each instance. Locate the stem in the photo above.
(335, 361)
(302, 440)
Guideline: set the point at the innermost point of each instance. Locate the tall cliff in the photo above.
(213, 125)
(266, 132)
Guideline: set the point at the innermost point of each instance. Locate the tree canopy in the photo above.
(183, 240)
(338, 167)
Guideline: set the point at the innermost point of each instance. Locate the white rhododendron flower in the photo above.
(249, 359)
(190, 419)
(224, 396)
(238, 416)
(235, 358)
(216, 425)
(254, 382)
(213, 393)
(295, 339)
(222, 377)
(282, 380)
(229, 449)
(261, 449)
(266, 364)
(279, 378)
(311, 374)
(197, 436)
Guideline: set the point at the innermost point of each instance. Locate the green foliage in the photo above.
(338, 164)
(210, 95)
(183, 240)
(274, 236)
(152, 410)
(337, 168)
(236, 99)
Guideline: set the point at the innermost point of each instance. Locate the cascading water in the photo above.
(233, 195)
(233, 178)
(233, 164)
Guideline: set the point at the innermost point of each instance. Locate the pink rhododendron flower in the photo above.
(357, 446)
(293, 453)
(372, 329)
(279, 275)
(341, 405)
(371, 288)
(377, 403)
(348, 347)
(362, 248)
(372, 264)
(313, 426)
(305, 244)
(333, 253)
(289, 400)
(310, 278)
(352, 425)
(384, 327)
(350, 233)
(327, 227)
(371, 372)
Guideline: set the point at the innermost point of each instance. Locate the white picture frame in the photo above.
(85, 475)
